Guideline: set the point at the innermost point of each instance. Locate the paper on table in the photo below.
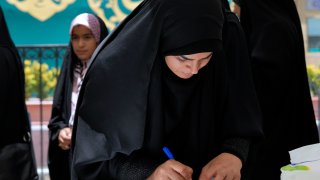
(305, 154)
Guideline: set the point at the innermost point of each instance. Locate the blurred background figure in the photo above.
(274, 36)
(16, 150)
(236, 7)
(86, 32)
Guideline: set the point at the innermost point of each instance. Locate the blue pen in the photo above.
(168, 152)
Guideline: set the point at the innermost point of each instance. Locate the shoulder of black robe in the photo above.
(112, 105)
(12, 102)
(61, 109)
(276, 45)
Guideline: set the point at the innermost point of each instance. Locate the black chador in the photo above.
(276, 48)
(131, 105)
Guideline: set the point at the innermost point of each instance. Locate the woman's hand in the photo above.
(226, 166)
(172, 169)
(65, 138)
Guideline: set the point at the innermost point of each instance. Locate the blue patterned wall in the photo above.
(48, 21)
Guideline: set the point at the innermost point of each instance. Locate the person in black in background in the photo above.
(274, 36)
(239, 66)
(86, 32)
(236, 7)
(160, 80)
(16, 150)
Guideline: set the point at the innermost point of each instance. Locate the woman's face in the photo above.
(185, 66)
(83, 42)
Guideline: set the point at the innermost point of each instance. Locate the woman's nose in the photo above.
(194, 68)
(80, 42)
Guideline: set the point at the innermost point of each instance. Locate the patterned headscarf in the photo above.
(88, 20)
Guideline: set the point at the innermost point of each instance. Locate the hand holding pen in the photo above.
(171, 169)
(170, 156)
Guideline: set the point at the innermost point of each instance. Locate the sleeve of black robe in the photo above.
(243, 102)
(137, 165)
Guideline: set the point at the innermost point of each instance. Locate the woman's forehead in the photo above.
(80, 29)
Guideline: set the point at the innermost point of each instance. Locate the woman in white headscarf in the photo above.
(86, 32)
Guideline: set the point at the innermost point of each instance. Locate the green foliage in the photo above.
(49, 79)
(32, 79)
(314, 78)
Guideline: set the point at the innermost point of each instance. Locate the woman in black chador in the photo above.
(160, 80)
(86, 32)
(275, 42)
(16, 152)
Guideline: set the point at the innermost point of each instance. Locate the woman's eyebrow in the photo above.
(186, 58)
(84, 34)
(88, 34)
(207, 56)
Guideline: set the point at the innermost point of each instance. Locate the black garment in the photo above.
(240, 71)
(275, 40)
(240, 74)
(58, 159)
(131, 105)
(15, 125)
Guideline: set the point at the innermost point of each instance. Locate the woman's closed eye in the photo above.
(183, 58)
